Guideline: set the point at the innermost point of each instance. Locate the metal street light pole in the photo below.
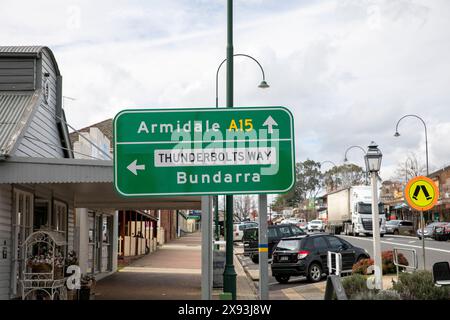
(229, 274)
(262, 85)
(397, 134)
(373, 164)
(346, 159)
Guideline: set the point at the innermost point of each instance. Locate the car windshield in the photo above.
(316, 221)
(250, 234)
(393, 222)
(288, 245)
(297, 231)
(432, 225)
(366, 208)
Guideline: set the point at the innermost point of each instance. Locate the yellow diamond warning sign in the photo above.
(421, 193)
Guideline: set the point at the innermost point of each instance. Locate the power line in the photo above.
(56, 146)
(79, 133)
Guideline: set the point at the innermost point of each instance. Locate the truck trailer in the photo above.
(350, 211)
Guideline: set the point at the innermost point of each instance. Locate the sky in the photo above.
(348, 70)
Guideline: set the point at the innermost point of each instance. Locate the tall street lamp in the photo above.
(263, 85)
(397, 134)
(373, 164)
(230, 274)
(346, 159)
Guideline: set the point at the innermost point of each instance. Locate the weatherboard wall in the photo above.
(42, 138)
(5, 236)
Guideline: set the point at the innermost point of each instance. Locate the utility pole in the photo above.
(229, 274)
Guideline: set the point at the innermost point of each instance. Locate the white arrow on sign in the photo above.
(270, 123)
(134, 167)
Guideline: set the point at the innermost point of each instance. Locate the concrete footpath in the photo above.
(172, 273)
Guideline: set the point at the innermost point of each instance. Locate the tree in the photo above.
(409, 168)
(307, 186)
(343, 176)
(243, 206)
(309, 179)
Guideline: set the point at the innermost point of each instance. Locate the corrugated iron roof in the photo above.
(15, 110)
(11, 51)
(58, 170)
(21, 49)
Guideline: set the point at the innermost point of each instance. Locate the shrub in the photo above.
(361, 266)
(387, 259)
(374, 295)
(419, 286)
(354, 284)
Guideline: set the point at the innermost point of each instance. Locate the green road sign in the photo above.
(203, 151)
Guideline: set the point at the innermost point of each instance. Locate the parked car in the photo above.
(306, 255)
(316, 225)
(238, 229)
(274, 234)
(301, 223)
(442, 232)
(429, 230)
(398, 227)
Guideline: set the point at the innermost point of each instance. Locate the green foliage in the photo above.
(308, 183)
(343, 176)
(419, 286)
(354, 284)
(374, 295)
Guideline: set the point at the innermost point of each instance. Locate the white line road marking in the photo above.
(412, 241)
(390, 239)
(403, 245)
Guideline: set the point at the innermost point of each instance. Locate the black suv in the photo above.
(274, 234)
(307, 256)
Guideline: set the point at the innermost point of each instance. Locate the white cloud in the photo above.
(348, 70)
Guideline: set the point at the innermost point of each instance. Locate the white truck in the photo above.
(350, 211)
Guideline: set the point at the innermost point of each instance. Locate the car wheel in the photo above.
(396, 232)
(381, 235)
(314, 272)
(255, 258)
(282, 279)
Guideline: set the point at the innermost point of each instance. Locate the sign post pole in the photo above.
(229, 275)
(207, 261)
(423, 238)
(263, 249)
(422, 194)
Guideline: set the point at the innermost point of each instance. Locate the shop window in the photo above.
(59, 217)
(42, 217)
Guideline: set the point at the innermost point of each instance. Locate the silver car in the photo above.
(400, 227)
(428, 230)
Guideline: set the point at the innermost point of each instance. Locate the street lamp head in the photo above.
(373, 158)
(397, 134)
(263, 85)
(345, 159)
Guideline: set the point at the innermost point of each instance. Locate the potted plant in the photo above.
(87, 289)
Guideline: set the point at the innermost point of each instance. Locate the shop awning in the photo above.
(401, 206)
(89, 183)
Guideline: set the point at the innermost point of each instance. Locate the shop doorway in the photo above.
(100, 246)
